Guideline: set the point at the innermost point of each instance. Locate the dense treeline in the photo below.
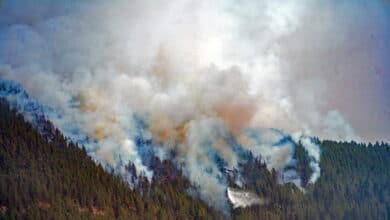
(45, 177)
(42, 179)
(354, 184)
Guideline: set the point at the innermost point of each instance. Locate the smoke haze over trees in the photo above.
(44, 178)
(228, 103)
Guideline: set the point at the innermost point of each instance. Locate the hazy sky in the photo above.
(317, 67)
(207, 79)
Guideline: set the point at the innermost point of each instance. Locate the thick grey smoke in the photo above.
(195, 72)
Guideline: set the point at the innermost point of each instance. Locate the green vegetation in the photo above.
(41, 179)
(44, 177)
(354, 184)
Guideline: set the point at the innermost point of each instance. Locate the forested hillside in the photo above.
(44, 177)
(354, 184)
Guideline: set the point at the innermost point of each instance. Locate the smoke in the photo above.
(205, 79)
(314, 153)
(241, 198)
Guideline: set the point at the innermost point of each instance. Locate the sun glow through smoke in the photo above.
(204, 79)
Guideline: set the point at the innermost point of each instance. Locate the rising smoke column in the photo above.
(208, 151)
(204, 79)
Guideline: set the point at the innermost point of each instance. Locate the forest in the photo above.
(45, 176)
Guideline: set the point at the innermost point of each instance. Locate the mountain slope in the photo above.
(354, 184)
(43, 176)
(42, 179)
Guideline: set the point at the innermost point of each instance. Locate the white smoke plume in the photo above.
(241, 198)
(314, 153)
(206, 78)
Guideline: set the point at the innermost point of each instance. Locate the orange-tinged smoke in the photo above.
(92, 100)
(164, 131)
(235, 115)
(102, 128)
